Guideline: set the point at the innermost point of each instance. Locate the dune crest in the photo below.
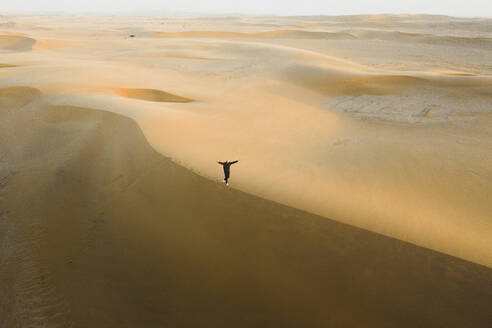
(294, 34)
(364, 130)
(425, 38)
(373, 85)
(112, 228)
(361, 197)
(149, 95)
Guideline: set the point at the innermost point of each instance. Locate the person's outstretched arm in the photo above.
(234, 162)
(221, 163)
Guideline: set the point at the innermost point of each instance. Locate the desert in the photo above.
(362, 197)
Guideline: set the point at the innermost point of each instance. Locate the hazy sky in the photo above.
(278, 7)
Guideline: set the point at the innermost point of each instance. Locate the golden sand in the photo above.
(149, 95)
(95, 221)
(111, 211)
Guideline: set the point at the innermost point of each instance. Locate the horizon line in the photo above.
(171, 13)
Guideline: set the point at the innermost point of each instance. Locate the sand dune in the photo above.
(59, 44)
(149, 95)
(396, 97)
(288, 106)
(372, 85)
(411, 23)
(456, 41)
(111, 228)
(16, 43)
(294, 34)
(398, 36)
(16, 97)
(458, 74)
(389, 132)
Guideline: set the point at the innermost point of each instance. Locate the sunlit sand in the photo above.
(365, 171)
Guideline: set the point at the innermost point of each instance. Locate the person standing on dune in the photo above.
(226, 166)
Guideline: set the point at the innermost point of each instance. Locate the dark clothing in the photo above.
(226, 166)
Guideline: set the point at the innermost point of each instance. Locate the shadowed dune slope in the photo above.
(109, 233)
(16, 97)
(16, 43)
(149, 95)
(385, 84)
(372, 85)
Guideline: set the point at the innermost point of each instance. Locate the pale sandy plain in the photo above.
(362, 199)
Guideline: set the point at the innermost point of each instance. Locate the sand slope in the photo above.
(361, 119)
(149, 95)
(16, 43)
(111, 234)
(382, 122)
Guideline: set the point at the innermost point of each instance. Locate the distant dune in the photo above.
(149, 95)
(59, 44)
(370, 85)
(445, 40)
(450, 40)
(294, 34)
(16, 43)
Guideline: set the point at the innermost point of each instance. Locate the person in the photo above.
(226, 166)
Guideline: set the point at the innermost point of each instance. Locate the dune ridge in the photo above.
(149, 95)
(179, 243)
(295, 34)
(390, 138)
(328, 118)
(442, 40)
(367, 34)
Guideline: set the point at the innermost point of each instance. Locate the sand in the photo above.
(362, 196)
(149, 95)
